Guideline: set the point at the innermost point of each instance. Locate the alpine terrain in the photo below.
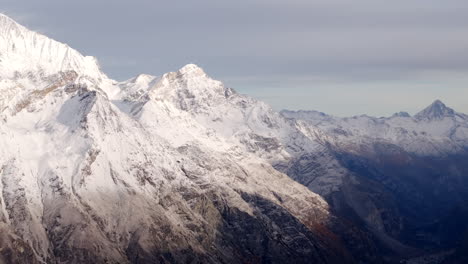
(178, 168)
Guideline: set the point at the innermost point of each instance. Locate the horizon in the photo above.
(326, 78)
(396, 112)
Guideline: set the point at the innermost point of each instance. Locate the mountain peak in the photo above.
(401, 114)
(191, 69)
(437, 110)
(23, 51)
(438, 102)
(142, 78)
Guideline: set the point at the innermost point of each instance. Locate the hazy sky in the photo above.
(343, 57)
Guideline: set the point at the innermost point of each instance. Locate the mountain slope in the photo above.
(93, 170)
(406, 175)
(180, 168)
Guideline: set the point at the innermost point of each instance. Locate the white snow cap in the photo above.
(23, 51)
(191, 69)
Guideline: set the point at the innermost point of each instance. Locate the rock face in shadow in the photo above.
(422, 191)
(13, 249)
(411, 203)
(403, 178)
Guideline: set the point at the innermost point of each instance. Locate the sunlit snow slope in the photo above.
(170, 169)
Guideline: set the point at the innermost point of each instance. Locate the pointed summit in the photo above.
(191, 69)
(437, 110)
(190, 88)
(23, 51)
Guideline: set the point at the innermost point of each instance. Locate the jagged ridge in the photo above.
(24, 52)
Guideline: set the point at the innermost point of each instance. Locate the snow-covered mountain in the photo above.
(403, 176)
(179, 168)
(170, 169)
(436, 130)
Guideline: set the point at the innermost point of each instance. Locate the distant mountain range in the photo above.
(182, 169)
